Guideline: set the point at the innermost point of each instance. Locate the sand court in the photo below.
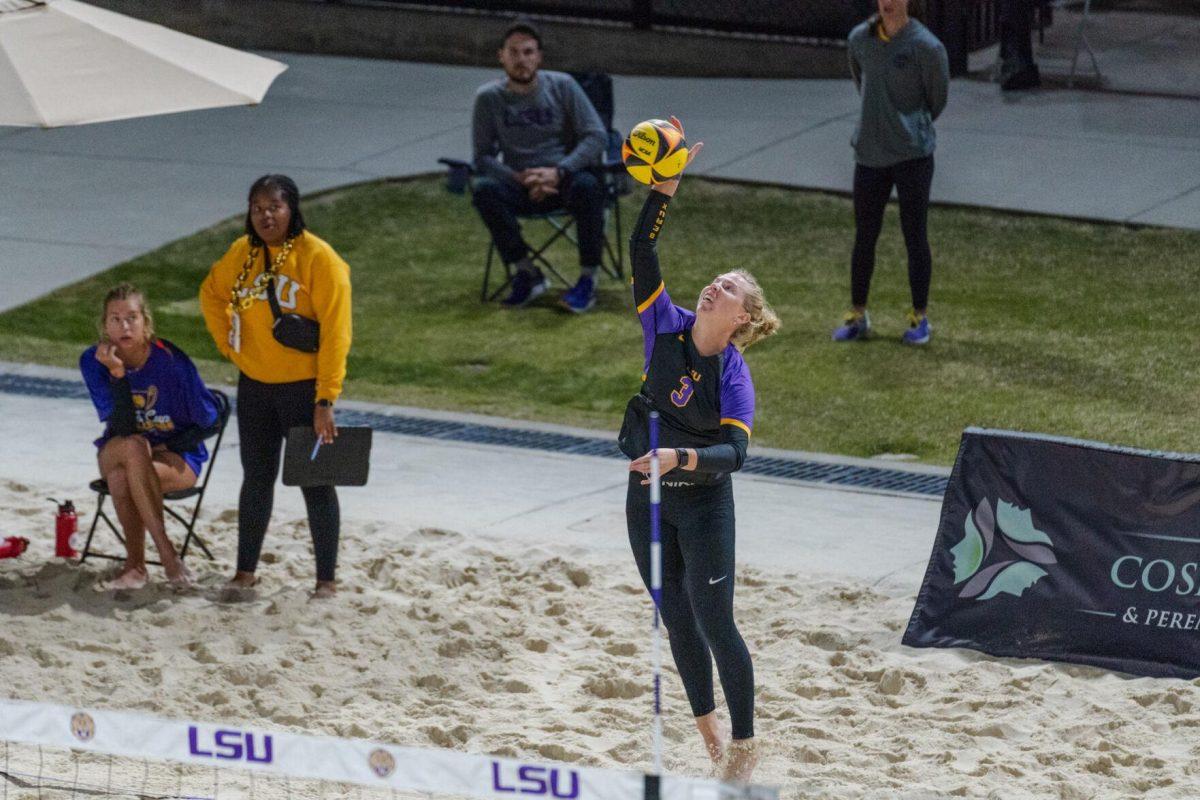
(539, 651)
(491, 614)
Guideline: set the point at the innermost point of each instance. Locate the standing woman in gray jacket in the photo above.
(903, 75)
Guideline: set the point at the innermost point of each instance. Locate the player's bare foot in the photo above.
(713, 735)
(741, 757)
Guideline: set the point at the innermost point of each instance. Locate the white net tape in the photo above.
(60, 751)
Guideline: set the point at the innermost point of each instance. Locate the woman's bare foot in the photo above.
(130, 579)
(180, 577)
(326, 590)
(714, 738)
(741, 757)
(239, 588)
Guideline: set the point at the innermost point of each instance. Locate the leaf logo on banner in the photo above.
(1011, 576)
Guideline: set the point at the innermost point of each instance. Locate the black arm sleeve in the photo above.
(728, 456)
(643, 247)
(122, 421)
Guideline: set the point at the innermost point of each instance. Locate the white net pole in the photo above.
(656, 587)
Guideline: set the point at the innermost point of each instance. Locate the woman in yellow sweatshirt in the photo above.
(287, 378)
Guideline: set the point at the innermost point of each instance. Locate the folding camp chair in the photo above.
(1081, 41)
(188, 517)
(460, 178)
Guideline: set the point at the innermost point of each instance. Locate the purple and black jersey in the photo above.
(168, 397)
(703, 401)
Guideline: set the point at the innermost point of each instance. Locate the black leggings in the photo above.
(265, 411)
(697, 529)
(872, 188)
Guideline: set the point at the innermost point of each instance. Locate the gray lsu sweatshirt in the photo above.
(903, 83)
(555, 125)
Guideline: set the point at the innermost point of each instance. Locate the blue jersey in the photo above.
(168, 397)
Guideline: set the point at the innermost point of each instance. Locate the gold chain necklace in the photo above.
(237, 303)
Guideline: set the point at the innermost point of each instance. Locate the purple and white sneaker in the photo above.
(856, 326)
(919, 329)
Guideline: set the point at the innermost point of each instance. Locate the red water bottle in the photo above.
(66, 525)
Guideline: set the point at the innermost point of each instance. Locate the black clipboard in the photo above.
(346, 462)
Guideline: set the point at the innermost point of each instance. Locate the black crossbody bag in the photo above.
(634, 438)
(292, 330)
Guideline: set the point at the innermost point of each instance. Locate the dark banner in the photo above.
(1067, 550)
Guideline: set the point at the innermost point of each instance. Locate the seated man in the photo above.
(548, 137)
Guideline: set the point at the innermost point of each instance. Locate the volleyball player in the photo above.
(695, 378)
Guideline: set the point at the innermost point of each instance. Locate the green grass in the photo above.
(1040, 324)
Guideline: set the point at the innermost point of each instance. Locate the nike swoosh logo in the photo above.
(718, 580)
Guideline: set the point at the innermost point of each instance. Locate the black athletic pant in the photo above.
(697, 529)
(1016, 36)
(499, 202)
(265, 412)
(872, 188)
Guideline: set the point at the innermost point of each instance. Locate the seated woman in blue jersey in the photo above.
(695, 378)
(155, 408)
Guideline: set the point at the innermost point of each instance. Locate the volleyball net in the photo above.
(49, 750)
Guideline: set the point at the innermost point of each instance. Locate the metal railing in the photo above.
(964, 26)
(809, 19)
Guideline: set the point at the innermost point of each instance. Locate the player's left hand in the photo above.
(668, 460)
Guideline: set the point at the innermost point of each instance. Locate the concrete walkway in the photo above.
(80, 200)
(486, 491)
(1140, 53)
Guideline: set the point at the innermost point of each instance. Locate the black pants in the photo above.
(697, 529)
(872, 188)
(265, 412)
(499, 203)
(1016, 36)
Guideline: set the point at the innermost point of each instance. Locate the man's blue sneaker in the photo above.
(525, 287)
(918, 329)
(855, 326)
(582, 296)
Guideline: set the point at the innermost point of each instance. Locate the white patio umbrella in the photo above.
(64, 62)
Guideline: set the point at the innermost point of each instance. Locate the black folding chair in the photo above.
(188, 517)
(461, 177)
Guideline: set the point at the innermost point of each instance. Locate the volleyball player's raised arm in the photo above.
(654, 307)
(648, 286)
